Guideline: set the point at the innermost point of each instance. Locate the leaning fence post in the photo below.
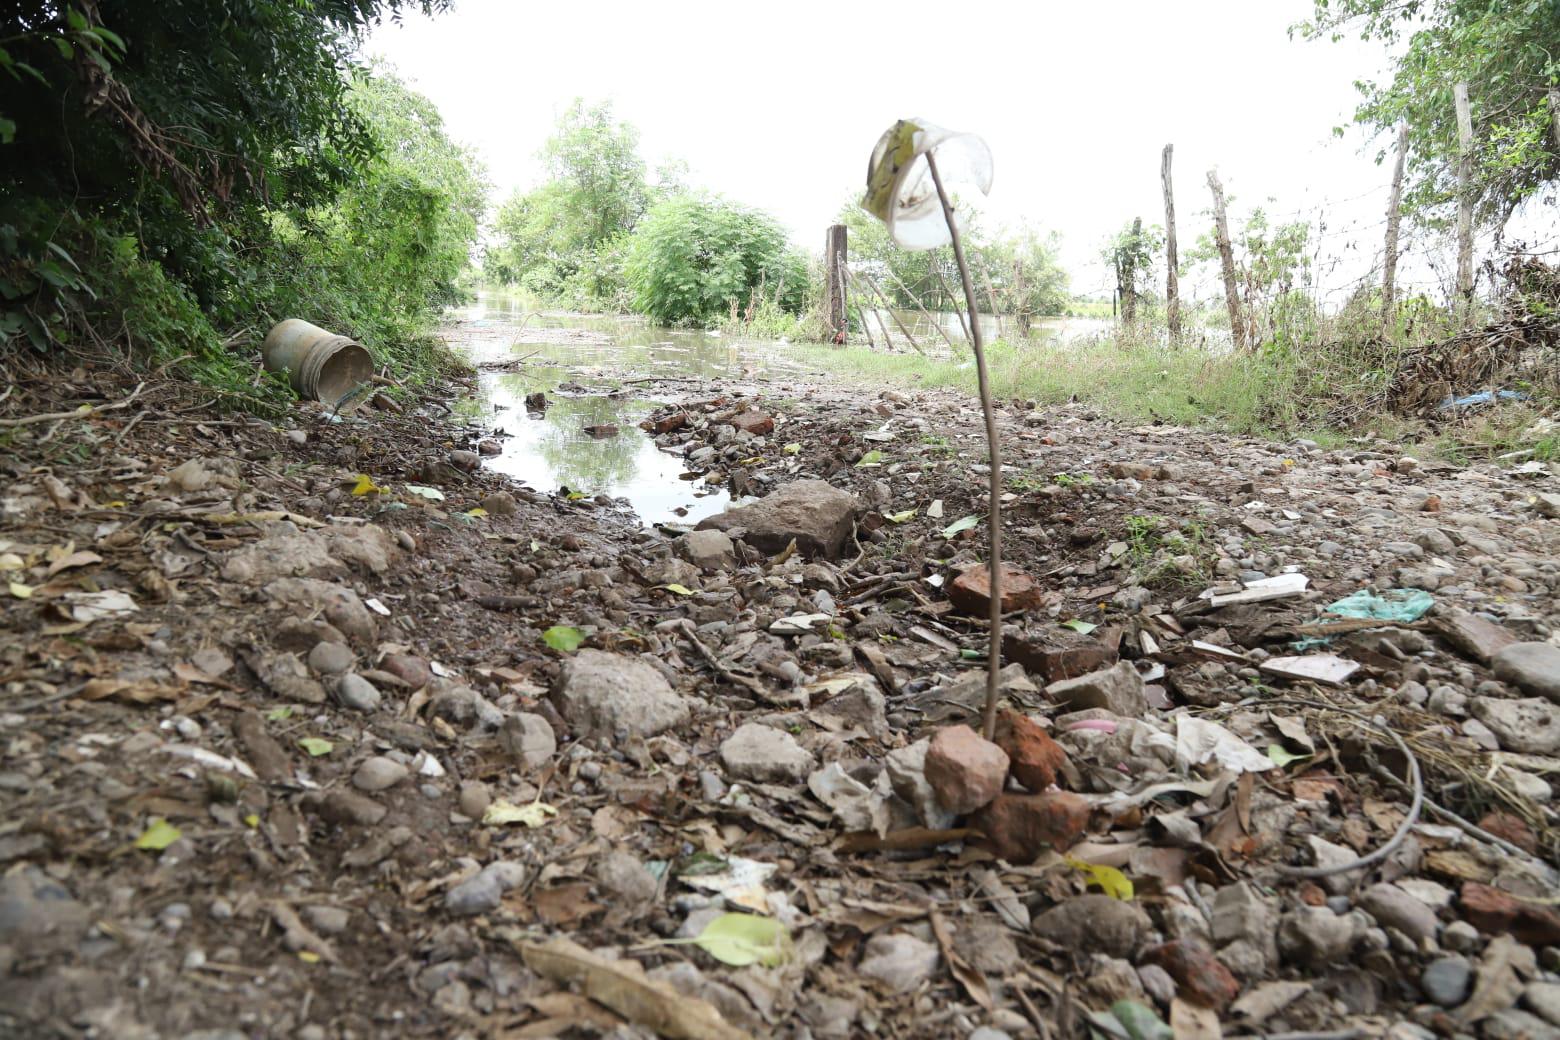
(1227, 262)
(1464, 197)
(1389, 261)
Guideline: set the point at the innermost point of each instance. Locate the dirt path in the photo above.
(297, 740)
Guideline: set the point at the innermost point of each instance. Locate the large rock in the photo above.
(966, 770)
(906, 769)
(1530, 726)
(616, 697)
(1532, 667)
(707, 550)
(340, 605)
(1394, 908)
(287, 552)
(1118, 689)
(814, 513)
(765, 754)
(1094, 924)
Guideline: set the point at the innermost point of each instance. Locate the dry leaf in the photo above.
(973, 981)
(130, 692)
(644, 1003)
(75, 559)
(1189, 1021)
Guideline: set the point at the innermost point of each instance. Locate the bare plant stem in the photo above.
(988, 410)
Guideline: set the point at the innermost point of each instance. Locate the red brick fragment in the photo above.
(1512, 828)
(966, 771)
(1490, 911)
(971, 591)
(1019, 827)
(1198, 974)
(759, 424)
(1036, 758)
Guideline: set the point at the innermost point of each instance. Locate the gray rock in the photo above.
(357, 693)
(707, 550)
(616, 697)
(813, 513)
(1516, 1024)
(765, 754)
(1531, 667)
(862, 706)
(500, 503)
(626, 878)
(906, 769)
(1543, 999)
(331, 920)
(899, 961)
(1314, 936)
(1529, 786)
(330, 658)
(1530, 726)
(1242, 915)
(39, 913)
(529, 739)
(1460, 937)
(1117, 689)
(1094, 924)
(379, 774)
(460, 705)
(474, 799)
(340, 606)
(1445, 980)
(1394, 908)
(483, 892)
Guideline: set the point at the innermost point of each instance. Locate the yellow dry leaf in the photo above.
(1108, 879)
(21, 591)
(365, 485)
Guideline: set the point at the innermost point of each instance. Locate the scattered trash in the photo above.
(319, 365)
(1329, 669)
(1401, 605)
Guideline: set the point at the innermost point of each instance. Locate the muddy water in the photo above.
(595, 372)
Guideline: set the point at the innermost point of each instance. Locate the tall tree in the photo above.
(1507, 51)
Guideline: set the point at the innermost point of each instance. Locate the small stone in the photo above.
(529, 739)
(1036, 759)
(970, 592)
(906, 768)
(625, 877)
(485, 891)
(346, 807)
(357, 693)
(500, 503)
(474, 799)
(330, 658)
(410, 669)
(616, 697)
(39, 913)
(1445, 980)
(298, 437)
(1515, 1024)
(1118, 690)
(379, 774)
(1512, 828)
(1460, 937)
(1543, 999)
(899, 961)
(1242, 916)
(1200, 977)
(1019, 827)
(707, 550)
(1094, 924)
(965, 770)
(331, 920)
(1157, 983)
(190, 476)
(1394, 908)
(1532, 667)
(465, 461)
(759, 424)
(765, 754)
(1529, 786)
(1530, 725)
(1315, 936)
(1473, 635)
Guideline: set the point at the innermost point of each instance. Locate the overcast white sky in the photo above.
(779, 105)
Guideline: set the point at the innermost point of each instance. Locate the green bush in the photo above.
(696, 258)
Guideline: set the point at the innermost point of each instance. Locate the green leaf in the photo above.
(871, 458)
(1283, 756)
(159, 834)
(1140, 1022)
(1080, 626)
(563, 638)
(901, 518)
(743, 939)
(7, 130)
(63, 46)
(1108, 879)
(75, 19)
(316, 746)
(108, 36)
(278, 714)
(964, 523)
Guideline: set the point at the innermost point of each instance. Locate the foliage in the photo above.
(695, 258)
(1026, 273)
(1130, 253)
(1273, 268)
(1507, 51)
(227, 164)
(563, 241)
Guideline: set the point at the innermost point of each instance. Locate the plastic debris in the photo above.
(1393, 605)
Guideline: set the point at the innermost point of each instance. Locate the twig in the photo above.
(994, 655)
(889, 308)
(83, 412)
(1409, 820)
(1471, 828)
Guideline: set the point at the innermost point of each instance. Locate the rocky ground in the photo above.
(315, 729)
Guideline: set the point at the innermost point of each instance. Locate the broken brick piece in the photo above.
(759, 424)
(1199, 976)
(1491, 910)
(970, 592)
(1019, 827)
(966, 771)
(1058, 657)
(1035, 758)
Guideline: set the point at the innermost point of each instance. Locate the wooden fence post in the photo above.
(1394, 216)
(834, 260)
(1172, 287)
(1554, 113)
(1227, 262)
(1464, 196)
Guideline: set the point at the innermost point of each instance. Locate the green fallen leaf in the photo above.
(1140, 1022)
(1282, 756)
(791, 449)
(21, 591)
(964, 523)
(871, 458)
(159, 834)
(477, 512)
(316, 746)
(1108, 879)
(900, 518)
(278, 714)
(681, 590)
(743, 939)
(431, 494)
(563, 638)
(532, 814)
(1080, 626)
